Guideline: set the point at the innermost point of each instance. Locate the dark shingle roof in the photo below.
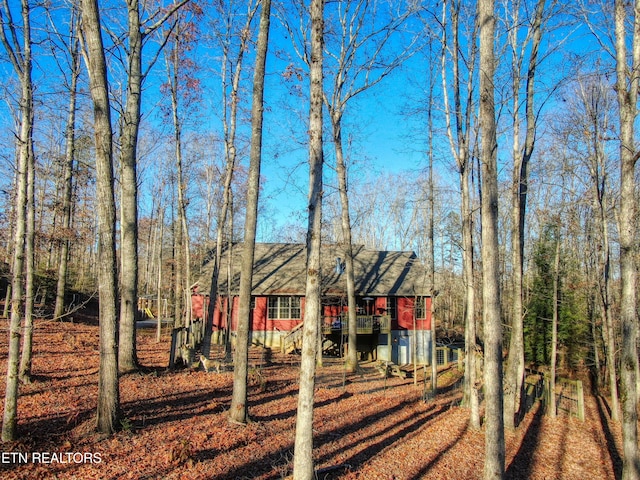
(279, 269)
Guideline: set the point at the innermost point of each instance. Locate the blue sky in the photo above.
(381, 137)
(380, 143)
(376, 133)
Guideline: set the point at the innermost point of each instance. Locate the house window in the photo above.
(421, 307)
(392, 307)
(284, 308)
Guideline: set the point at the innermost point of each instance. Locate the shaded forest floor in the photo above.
(366, 427)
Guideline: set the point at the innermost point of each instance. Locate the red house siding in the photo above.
(259, 319)
(406, 307)
(425, 323)
(197, 306)
(405, 313)
(219, 314)
(259, 316)
(332, 310)
(379, 305)
(260, 322)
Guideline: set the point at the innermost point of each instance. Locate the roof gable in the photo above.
(280, 269)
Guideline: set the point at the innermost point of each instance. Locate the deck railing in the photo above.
(366, 324)
(292, 340)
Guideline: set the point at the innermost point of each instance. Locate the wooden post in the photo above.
(549, 396)
(174, 345)
(580, 394)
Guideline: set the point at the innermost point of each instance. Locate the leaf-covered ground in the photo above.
(175, 426)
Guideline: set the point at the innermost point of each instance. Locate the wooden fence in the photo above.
(568, 396)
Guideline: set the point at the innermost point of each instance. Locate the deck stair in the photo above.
(292, 341)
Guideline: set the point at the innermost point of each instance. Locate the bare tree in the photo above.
(127, 360)
(30, 268)
(432, 246)
(459, 119)
(591, 119)
(73, 47)
(303, 468)
(494, 432)
(514, 371)
(359, 56)
(238, 409)
(108, 382)
(627, 86)
(230, 98)
(160, 233)
(137, 33)
(184, 90)
(358, 62)
(19, 52)
(554, 325)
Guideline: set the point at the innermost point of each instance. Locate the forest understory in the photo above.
(366, 427)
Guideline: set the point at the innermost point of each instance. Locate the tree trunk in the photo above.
(303, 468)
(228, 293)
(229, 120)
(472, 380)
(159, 280)
(27, 339)
(238, 410)
(432, 254)
(108, 383)
(70, 136)
(494, 433)
(127, 359)
(23, 69)
(514, 375)
(551, 408)
(341, 171)
(597, 367)
(627, 89)
(459, 143)
(178, 273)
(183, 288)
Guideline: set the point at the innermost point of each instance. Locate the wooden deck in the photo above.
(367, 324)
(335, 327)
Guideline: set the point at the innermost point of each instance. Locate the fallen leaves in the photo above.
(365, 426)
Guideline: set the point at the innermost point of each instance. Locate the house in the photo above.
(393, 306)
